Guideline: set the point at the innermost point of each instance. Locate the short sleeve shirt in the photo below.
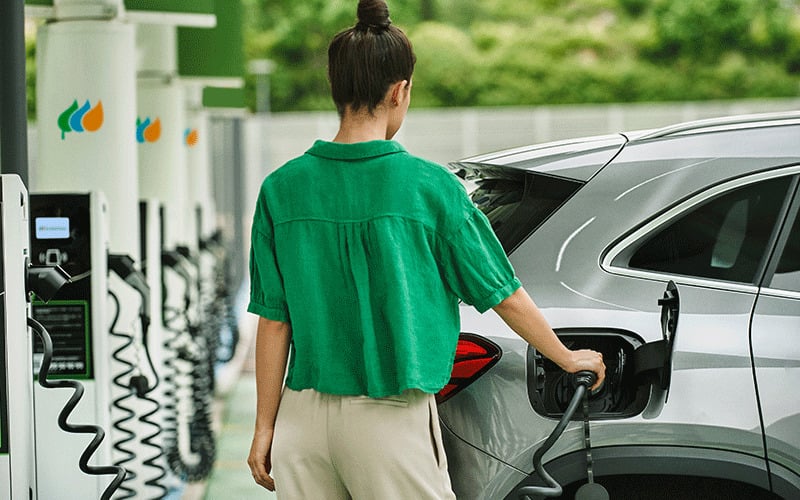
(366, 250)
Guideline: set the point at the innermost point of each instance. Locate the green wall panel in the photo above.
(214, 52)
(177, 6)
(223, 97)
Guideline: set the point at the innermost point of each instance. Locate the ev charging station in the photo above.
(30, 415)
(17, 457)
(163, 177)
(87, 158)
(174, 171)
(213, 94)
(111, 328)
(70, 231)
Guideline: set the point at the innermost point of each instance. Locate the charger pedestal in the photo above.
(70, 230)
(17, 459)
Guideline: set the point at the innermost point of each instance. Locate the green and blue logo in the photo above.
(85, 118)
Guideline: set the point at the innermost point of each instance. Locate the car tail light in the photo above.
(474, 356)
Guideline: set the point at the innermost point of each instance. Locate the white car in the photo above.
(707, 406)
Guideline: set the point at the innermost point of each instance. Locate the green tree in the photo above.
(705, 29)
(295, 35)
(30, 76)
(525, 52)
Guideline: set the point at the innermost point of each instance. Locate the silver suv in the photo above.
(702, 397)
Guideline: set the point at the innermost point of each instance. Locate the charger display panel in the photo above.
(61, 235)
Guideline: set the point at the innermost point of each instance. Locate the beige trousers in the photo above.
(346, 447)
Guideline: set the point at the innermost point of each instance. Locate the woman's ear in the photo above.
(396, 91)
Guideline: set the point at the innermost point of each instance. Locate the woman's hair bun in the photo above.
(373, 14)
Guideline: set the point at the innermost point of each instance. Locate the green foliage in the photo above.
(30, 77)
(702, 29)
(528, 52)
(446, 61)
(634, 7)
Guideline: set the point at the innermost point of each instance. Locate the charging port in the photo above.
(622, 395)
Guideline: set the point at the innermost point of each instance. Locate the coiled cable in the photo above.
(122, 380)
(124, 267)
(170, 407)
(148, 418)
(190, 362)
(149, 440)
(227, 317)
(69, 407)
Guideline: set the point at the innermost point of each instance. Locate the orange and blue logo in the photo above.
(190, 137)
(147, 130)
(84, 118)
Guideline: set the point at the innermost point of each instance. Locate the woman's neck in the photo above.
(362, 127)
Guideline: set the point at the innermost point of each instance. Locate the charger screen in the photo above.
(52, 228)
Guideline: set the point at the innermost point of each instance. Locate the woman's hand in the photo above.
(586, 359)
(260, 459)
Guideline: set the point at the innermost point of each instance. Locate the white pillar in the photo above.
(86, 106)
(162, 151)
(198, 150)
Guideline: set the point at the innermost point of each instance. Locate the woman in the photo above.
(360, 254)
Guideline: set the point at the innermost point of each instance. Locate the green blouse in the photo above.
(366, 250)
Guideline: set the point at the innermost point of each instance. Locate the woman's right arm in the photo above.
(272, 352)
(524, 317)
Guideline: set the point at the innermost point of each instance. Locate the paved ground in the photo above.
(231, 477)
(234, 419)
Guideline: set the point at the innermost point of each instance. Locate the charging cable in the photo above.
(77, 395)
(191, 448)
(45, 282)
(137, 383)
(583, 380)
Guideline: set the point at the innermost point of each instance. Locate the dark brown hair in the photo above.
(363, 61)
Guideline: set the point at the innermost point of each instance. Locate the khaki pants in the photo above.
(346, 447)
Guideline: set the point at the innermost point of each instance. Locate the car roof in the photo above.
(737, 122)
(581, 158)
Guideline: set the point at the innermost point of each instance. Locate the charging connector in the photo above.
(45, 281)
(123, 266)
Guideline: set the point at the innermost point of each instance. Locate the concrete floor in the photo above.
(231, 477)
(234, 416)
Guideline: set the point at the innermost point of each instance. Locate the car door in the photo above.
(775, 337)
(715, 246)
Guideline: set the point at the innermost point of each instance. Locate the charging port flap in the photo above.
(652, 361)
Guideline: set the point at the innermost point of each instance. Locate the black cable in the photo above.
(225, 312)
(170, 418)
(228, 323)
(152, 462)
(147, 418)
(584, 379)
(220, 308)
(78, 390)
(122, 380)
(190, 361)
(138, 385)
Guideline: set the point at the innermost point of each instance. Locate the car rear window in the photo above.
(518, 202)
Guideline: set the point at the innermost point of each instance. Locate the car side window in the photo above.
(787, 273)
(723, 238)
